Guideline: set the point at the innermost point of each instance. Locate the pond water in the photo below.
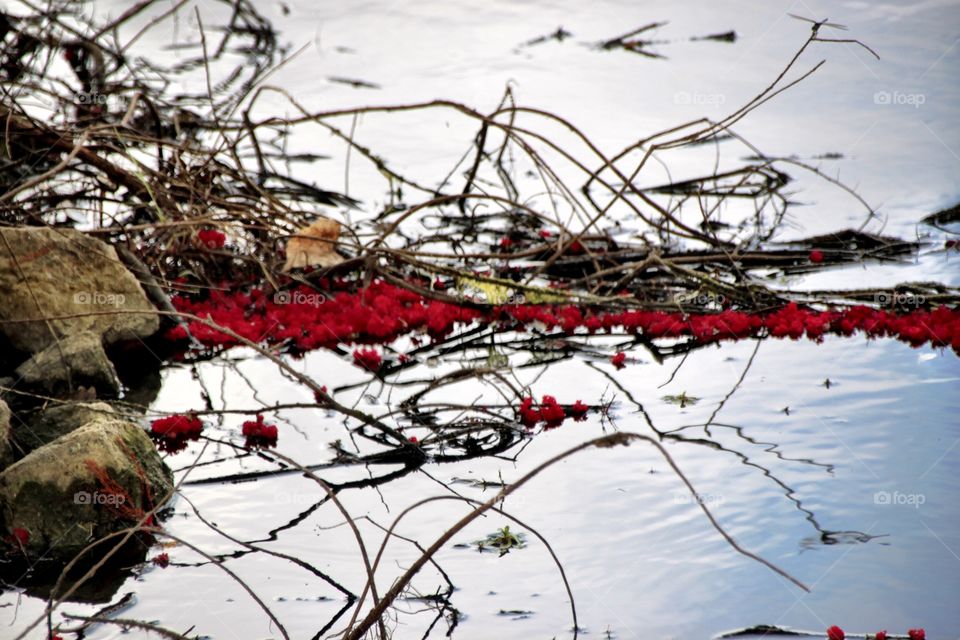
(849, 486)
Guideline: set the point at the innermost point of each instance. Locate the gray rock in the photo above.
(58, 420)
(75, 360)
(6, 445)
(56, 496)
(62, 272)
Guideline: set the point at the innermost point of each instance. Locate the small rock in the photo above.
(55, 495)
(62, 272)
(75, 360)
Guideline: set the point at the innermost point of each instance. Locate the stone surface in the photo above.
(47, 272)
(49, 424)
(56, 501)
(6, 444)
(76, 360)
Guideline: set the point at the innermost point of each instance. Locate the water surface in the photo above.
(850, 487)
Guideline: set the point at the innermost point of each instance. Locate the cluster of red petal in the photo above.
(258, 432)
(548, 411)
(369, 359)
(382, 312)
(376, 315)
(212, 238)
(579, 410)
(939, 327)
(173, 432)
(836, 633)
(318, 396)
(18, 537)
(177, 427)
(528, 415)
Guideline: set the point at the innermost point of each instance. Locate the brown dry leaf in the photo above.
(313, 246)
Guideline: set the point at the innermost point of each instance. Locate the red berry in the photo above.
(212, 238)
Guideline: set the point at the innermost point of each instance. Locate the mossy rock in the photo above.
(55, 502)
(49, 273)
(76, 360)
(55, 421)
(6, 444)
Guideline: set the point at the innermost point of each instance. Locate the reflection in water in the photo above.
(418, 395)
(455, 400)
(824, 536)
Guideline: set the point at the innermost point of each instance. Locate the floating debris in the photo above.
(630, 42)
(352, 82)
(727, 36)
(502, 541)
(559, 35)
(681, 400)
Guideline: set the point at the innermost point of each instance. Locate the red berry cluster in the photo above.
(550, 412)
(369, 359)
(211, 238)
(375, 315)
(259, 433)
(382, 312)
(177, 427)
(836, 633)
(18, 537)
(173, 432)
